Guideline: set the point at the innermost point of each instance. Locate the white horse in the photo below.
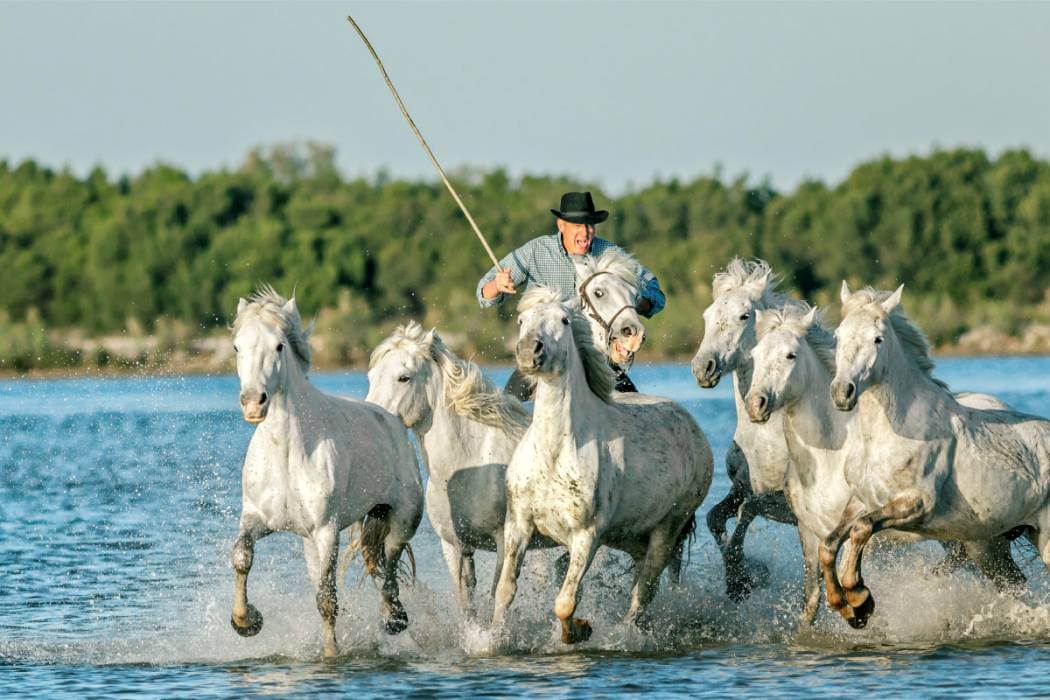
(627, 471)
(758, 458)
(316, 465)
(794, 361)
(467, 429)
(924, 463)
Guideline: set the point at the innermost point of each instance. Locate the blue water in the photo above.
(119, 499)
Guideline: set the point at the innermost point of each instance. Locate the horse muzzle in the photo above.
(707, 371)
(759, 407)
(530, 354)
(844, 395)
(626, 342)
(254, 406)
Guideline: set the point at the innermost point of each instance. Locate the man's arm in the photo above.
(489, 288)
(651, 301)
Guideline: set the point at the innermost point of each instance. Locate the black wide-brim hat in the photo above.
(578, 208)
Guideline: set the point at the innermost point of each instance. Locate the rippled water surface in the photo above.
(119, 500)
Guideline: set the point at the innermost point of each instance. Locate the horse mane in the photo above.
(913, 339)
(267, 305)
(756, 274)
(791, 316)
(615, 261)
(600, 377)
(468, 392)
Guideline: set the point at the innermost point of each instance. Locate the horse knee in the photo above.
(827, 556)
(565, 605)
(860, 533)
(241, 557)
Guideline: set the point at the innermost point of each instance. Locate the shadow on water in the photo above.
(116, 523)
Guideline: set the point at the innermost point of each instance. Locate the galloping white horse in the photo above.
(758, 459)
(468, 430)
(924, 463)
(627, 471)
(315, 465)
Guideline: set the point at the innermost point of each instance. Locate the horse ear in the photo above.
(810, 317)
(893, 300)
(242, 305)
(290, 307)
(428, 339)
(756, 288)
(844, 292)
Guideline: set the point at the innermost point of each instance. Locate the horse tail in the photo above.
(684, 542)
(370, 543)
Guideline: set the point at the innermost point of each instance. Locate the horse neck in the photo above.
(906, 396)
(450, 436)
(564, 401)
(292, 405)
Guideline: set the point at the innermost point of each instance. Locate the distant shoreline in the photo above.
(131, 370)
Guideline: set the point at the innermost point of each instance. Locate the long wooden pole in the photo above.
(412, 124)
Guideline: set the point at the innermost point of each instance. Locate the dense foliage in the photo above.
(969, 235)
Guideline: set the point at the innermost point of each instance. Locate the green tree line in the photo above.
(968, 234)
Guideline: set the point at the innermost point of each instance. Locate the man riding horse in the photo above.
(549, 260)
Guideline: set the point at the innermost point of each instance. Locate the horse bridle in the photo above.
(592, 311)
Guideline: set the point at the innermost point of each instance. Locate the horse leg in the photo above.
(739, 581)
(456, 560)
(901, 511)
(581, 553)
(829, 554)
(955, 557)
(402, 527)
(716, 524)
(661, 549)
(498, 537)
(995, 561)
(811, 575)
(245, 618)
(326, 546)
(516, 534)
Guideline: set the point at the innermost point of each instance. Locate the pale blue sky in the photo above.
(616, 93)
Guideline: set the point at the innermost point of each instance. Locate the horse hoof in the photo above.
(252, 623)
(863, 605)
(576, 631)
(396, 623)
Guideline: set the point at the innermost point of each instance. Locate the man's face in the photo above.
(576, 237)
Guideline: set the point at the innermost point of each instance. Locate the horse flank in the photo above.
(600, 377)
(468, 392)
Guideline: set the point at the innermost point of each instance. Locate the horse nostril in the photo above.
(761, 401)
(709, 368)
(628, 332)
(262, 399)
(851, 389)
(539, 347)
(244, 399)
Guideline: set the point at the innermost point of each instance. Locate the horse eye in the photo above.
(280, 346)
(792, 356)
(599, 293)
(878, 339)
(235, 349)
(565, 321)
(403, 378)
(745, 317)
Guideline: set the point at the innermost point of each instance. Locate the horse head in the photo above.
(863, 336)
(729, 322)
(781, 358)
(400, 374)
(609, 288)
(269, 341)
